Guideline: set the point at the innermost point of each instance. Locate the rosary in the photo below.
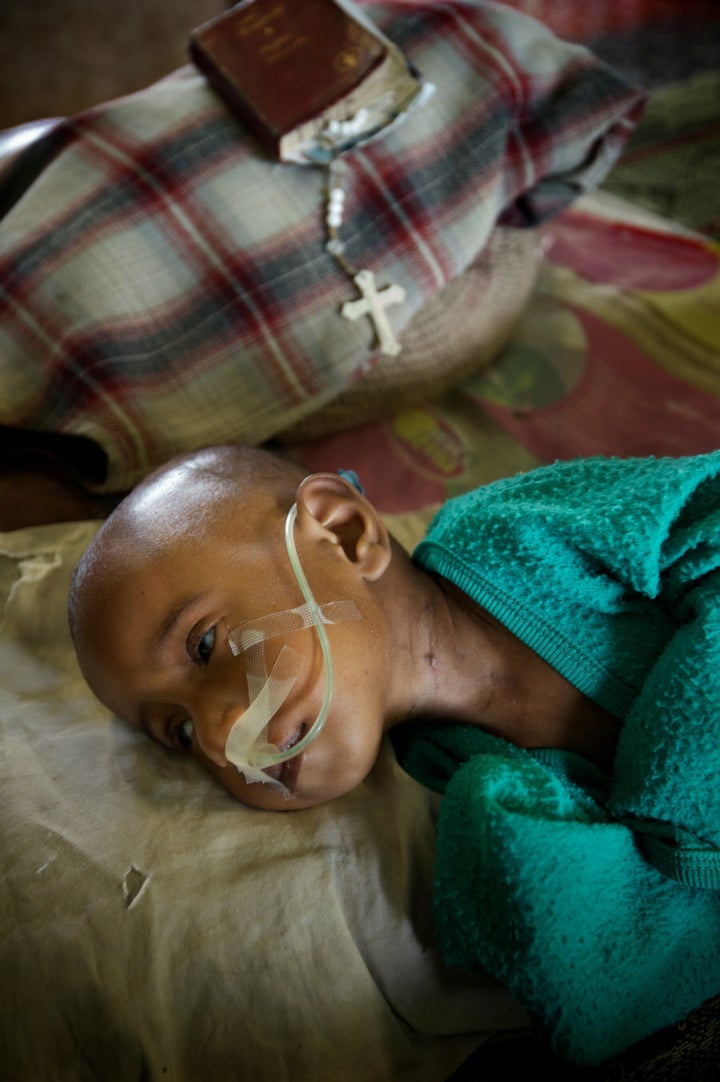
(372, 301)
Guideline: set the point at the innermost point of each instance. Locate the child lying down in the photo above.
(549, 659)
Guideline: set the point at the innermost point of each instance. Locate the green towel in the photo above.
(537, 884)
(610, 570)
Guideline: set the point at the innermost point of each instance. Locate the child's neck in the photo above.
(481, 674)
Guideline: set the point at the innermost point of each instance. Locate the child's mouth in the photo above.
(291, 741)
(286, 772)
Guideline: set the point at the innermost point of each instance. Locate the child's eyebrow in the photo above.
(175, 615)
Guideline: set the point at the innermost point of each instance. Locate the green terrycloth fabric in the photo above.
(610, 570)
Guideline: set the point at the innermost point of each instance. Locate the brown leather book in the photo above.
(288, 67)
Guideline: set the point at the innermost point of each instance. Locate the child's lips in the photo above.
(294, 739)
(287, 771)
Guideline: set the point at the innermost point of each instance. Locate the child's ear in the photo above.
(332, 510)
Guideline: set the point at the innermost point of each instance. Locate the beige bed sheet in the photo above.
(153, 928)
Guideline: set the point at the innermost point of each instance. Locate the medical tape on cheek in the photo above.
(254, 632)
(255, 670)
(267, 693)
(243, 739)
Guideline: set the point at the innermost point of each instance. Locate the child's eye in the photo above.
(206, 645)
(184, 735)
(201, 650)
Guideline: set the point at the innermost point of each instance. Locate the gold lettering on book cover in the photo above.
(347, 60)
(252, 23)
(278, 49)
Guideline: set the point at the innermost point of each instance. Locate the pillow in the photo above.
(153, 927)
(167, 286)
(456, 333)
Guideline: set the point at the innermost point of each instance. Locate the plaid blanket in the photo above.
(164, 286)
(651, 41)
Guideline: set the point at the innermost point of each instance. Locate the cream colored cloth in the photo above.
(152, 927)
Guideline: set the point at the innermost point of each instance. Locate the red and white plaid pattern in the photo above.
(581, 22)
(163, 285)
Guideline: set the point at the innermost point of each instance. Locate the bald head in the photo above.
(246, 486)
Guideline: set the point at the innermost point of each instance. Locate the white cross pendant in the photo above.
(373, 303)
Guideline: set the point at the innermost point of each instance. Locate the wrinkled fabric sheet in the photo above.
(152, 927)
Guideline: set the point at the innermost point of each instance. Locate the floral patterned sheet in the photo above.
(617, 354)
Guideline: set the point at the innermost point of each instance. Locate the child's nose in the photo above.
(212, 722)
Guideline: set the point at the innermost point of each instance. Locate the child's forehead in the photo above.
(193, 504)
(194, 539)
(165, 500)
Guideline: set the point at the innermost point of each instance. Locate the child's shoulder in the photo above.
(587, 489)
